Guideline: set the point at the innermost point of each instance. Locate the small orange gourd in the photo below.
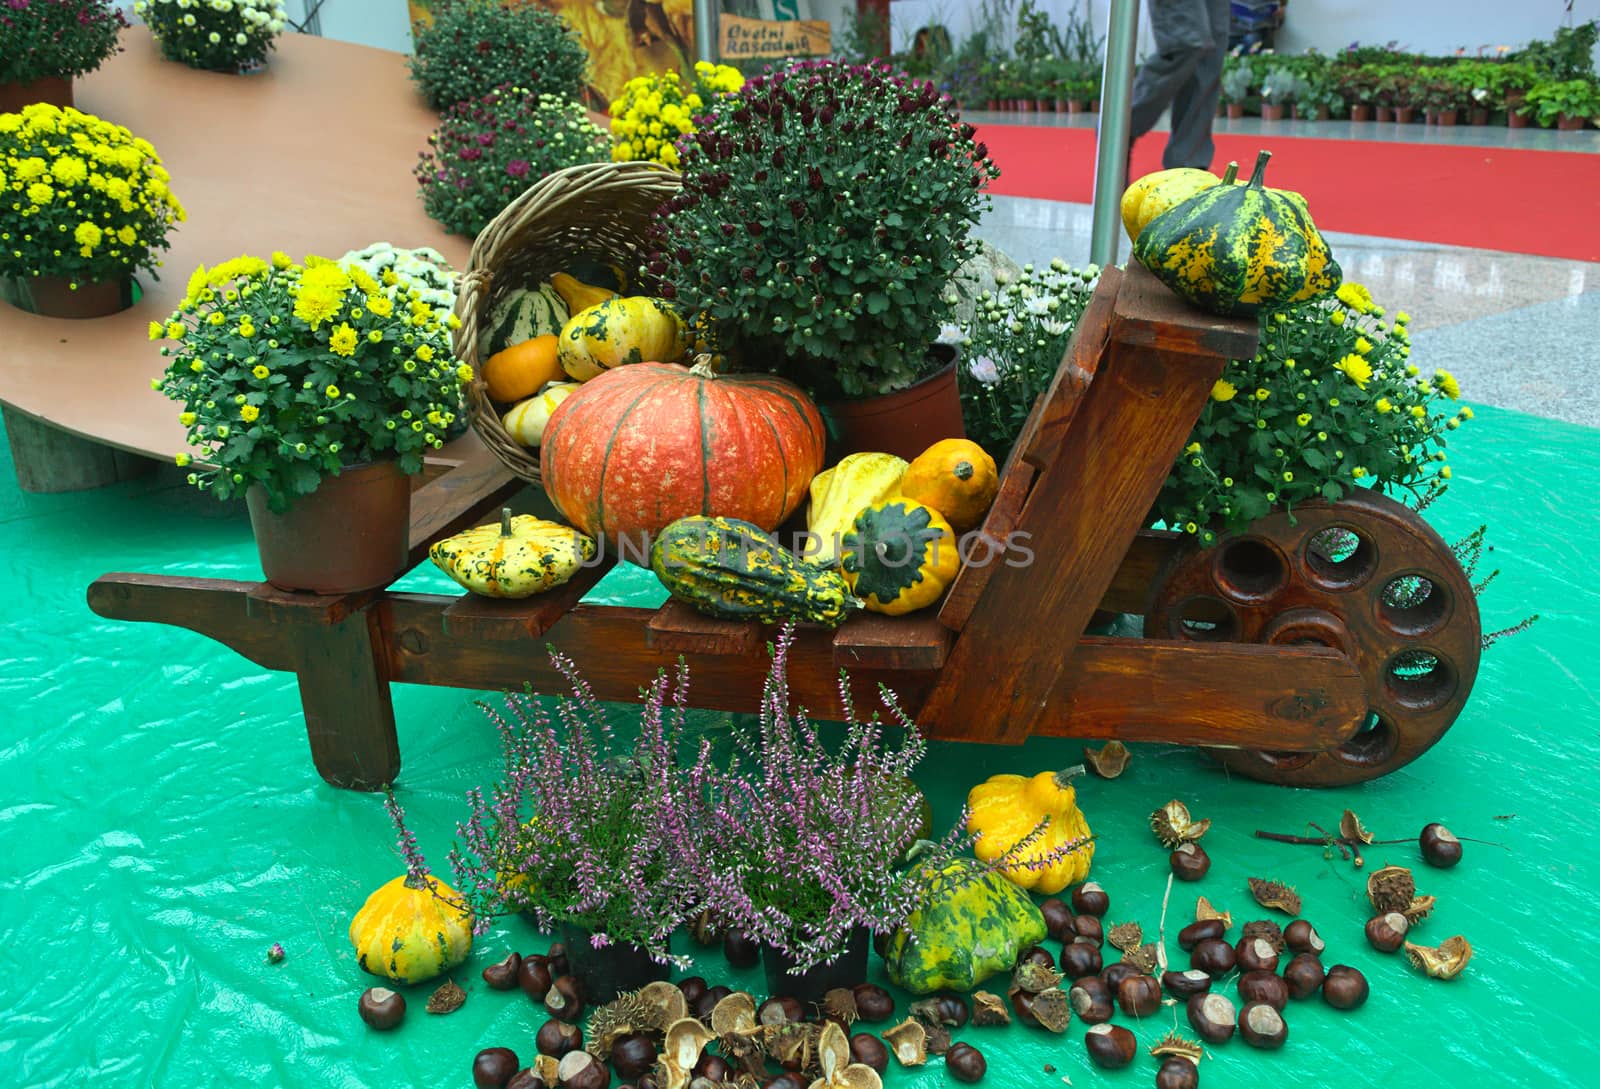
(957, 478)
(518, 372)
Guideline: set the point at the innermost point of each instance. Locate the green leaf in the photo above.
(877, 302)
(1332, 491)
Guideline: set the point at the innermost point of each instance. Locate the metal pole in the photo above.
(1116, 119)
(705, 29)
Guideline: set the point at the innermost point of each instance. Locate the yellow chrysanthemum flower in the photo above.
(1358, 472)
(343, 340)
(1356, 369)
(187, 419)
(1356, 297)
(181, 460)
(175, 330)
(1336, 318)
(315, 305)
(156, 329)
(1445, 472)
(381, 305)
(425, 352)
(1466, 412)
(40, 193)
(260, 371)
(1363, 346)
(1223, 390)
(1192, 448)
(332, 393)
(1304, 419)
(1447, 384)
(1419, 412)
(464, 373)
(1383, 404)
(248, 413)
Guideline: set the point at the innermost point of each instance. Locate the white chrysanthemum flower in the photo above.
(948, 334)
(1037, 305)
(188, 20)
(984, 370)
(241, 39)
(1053, 327)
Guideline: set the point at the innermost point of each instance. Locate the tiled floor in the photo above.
(1520, 332)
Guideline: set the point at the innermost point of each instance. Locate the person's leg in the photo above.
(1182, 29)
(1194, 104)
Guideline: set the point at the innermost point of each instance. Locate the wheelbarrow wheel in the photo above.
(1365, 576)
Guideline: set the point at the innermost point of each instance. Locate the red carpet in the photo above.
(1538, 202)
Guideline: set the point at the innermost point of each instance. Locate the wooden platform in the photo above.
(314, 155)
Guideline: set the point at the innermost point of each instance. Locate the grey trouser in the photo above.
(1185, 73)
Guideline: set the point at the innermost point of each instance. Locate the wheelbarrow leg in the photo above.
(348, 709)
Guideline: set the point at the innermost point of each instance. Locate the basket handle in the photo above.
(464, 341)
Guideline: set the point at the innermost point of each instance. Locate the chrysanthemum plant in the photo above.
(288, 373)
(215, 35)
(824, 210)
(1330, 403)
(809, 843)
(80, 198)
(588, 829)
(44, 39)
(656, 110)
(486, 152)
(473, 46)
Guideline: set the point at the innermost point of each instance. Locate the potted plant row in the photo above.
(230, 36)
(45, 44)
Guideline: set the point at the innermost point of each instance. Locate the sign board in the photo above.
(746, 38)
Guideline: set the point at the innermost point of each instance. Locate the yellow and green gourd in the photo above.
(838, 494)
(899, 556)
(411, 929)
(733, 570)
(1234, 250)
(517, 557)
(972, 924)
(1155, 193)
(621, 330)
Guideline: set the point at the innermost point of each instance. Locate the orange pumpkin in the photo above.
(518, 372)
(639, 447)
(957, 478)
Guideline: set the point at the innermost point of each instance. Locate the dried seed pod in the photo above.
(1173, 825)
(680, 1053)
(1265, 929)
(1203, 911)
(1125, 936)
(908, 1042)
(1350, 827)
(1173, 1046)
(1051, 1010)
(447, 999)
(1391, 889)
(1109, 760)
(1446, 961)
(839, 1004)
(650, 1009)
(1275, 894)
(1146, 958)
(939, 1039)
(793, 1044)
(989, 1009)
(1033, 978)
(1419, 909)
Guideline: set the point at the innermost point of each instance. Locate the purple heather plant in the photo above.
(40, 39)
(824, 210)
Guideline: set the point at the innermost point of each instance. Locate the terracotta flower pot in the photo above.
(1076, 105)
(993, 105)
(1235, 110)
(1442, 117)
(1094, 105)
(1405, 114)
(1384, 113)
(1361, 112)
(352, 533)
(1063, 106)
(1516, 120)
(1024, 105)
(812, 984)
(1479, 115)
(1272, 111)
(1569, 123)
(54, 297)
(905, 422)
(56, 90)
(1043, 105)
(608, 972)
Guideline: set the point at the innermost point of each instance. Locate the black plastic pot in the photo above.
(608, 972)
(809, 986)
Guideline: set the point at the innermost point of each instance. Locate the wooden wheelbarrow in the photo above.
(1327, 648)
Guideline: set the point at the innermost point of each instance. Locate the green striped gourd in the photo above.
(971, 925)
(522, 315)
(732, 570)
(1234, 250)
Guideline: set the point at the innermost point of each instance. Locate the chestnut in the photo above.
(1114, 974)
(741, 950)
(1080, 959)
(502, 975)
(1111, 1047)
(1189, 862)
(949, 1009)
(787, 1080)
(534, 976)
(1212, 1016)
(1088, 928)
(647, 1081)
(1057, 918)
(1090, 899)
(556, 1038)
(1139, 996)
(873, 1003)
(494, 1067)
(965, 1063)
(692, 988)
(1022, 1005)
(581, 1070)
(557, 956)
(712, 1068)
(1301, 937)
(1036, 954)
(1386, 933)
(526, 1078)
(1091, 1000)
(564, 999)
(1303, 974)
(1440, 847)
(634, 1054)
(1185, 984)
(1177, 1073)
(381, 1008)
(1344, 987)
(1268, 987)
(708, 1001)
(1213, 956)
(1195, 933)
(1255, 955)
(1262, 1026)
(867, 1049)
(780, 1009)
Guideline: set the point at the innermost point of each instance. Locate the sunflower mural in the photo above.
(625, 38)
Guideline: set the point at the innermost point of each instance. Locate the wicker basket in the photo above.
(598, 211)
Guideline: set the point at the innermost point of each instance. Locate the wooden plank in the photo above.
(48, 460)
(1054, 412)
(267, 604)
(1082, 515)
(678, 629)
(1147, 557)
(217, 608)
(1153, 317)
(472, 616)
(459, 499)
(981, 554)
(344, 694)
(1241, 695)
(899, 643)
